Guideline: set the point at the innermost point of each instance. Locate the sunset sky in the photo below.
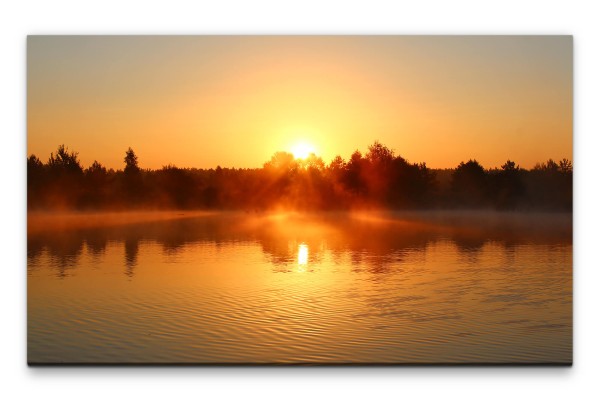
(203, 101)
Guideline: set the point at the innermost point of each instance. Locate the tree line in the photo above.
(376, 179)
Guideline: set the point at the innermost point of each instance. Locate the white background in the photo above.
(20, 18)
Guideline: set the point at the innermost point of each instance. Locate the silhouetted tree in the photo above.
(131, 162)
(550, 185)
(379, 179)
(96, 169)
(354, 171)
(132, 185)
(175, 187)
(565, 166)
(64, 185)
(508, 186)
(96, 194)
(337, 164)
(413, 185)
(469, 185)
(34, 164)
(35, 170)
(282, 162)
(64, 162)
(377, 172)
(379, 154)
(35, 181)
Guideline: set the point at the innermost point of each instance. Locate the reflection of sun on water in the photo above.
(302, 257)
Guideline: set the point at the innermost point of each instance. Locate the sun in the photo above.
(302, 150)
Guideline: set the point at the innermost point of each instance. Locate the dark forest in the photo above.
(377, 179)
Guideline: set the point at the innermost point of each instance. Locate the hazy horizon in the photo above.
(44, 159)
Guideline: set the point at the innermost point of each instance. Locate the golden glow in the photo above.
(359, 284)
(302, 257)
(234, 101)
(302, 150)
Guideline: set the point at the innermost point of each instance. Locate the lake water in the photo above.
(291, 288)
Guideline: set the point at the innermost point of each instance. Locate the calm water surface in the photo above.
(323, 288)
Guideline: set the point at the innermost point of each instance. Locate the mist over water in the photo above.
(191, 287)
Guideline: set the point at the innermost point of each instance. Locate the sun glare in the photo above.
(302, 150)
(302, 254)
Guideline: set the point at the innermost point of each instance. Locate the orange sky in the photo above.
(203, 101)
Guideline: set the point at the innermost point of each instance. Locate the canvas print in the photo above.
(299, 200)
